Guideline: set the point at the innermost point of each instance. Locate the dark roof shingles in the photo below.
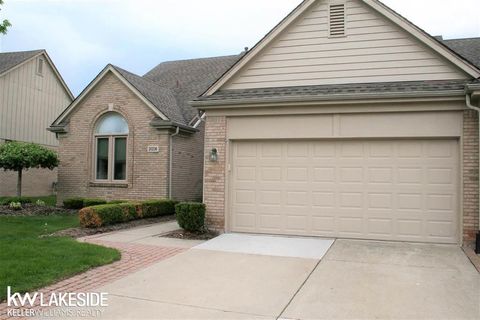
(9, 60)
(162, 98)
(190, 78)
(468, 48)
(342, 89)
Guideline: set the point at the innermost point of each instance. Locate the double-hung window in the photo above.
(111, 137)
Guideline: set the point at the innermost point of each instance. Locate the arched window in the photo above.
(111, 134)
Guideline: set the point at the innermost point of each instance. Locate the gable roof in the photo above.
(188, 79)
(167, 88)
(162, 98)
(468, 48)
(11, 60)
(379, 7)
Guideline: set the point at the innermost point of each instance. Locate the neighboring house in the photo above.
(32, 95)
(131, 137)
(346, 120)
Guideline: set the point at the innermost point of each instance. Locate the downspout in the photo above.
(170, 164)
(471, 106)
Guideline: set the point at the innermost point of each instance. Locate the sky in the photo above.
(83, 36)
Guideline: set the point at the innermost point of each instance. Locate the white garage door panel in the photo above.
(405, 190)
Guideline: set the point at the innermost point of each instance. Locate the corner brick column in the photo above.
(214, 176)
(470, 177)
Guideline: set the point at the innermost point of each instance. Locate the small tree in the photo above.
(19, 156)
(4, 24)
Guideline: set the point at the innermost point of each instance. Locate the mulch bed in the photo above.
(187, 235)
(30, 209)
(83, 232)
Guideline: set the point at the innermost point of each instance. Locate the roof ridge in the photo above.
(203, 58)
(468, 38)
(141, 78)
(24, 51)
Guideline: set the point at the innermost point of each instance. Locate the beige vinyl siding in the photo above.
(374, 50)
(29, 103)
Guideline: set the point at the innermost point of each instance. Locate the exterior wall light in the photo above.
(214, 155)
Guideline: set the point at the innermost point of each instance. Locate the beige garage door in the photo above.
(402, 190)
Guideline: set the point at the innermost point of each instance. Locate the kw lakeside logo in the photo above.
(27, 304)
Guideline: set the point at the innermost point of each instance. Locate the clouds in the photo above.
(82, 36)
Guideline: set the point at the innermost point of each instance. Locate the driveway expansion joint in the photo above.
(279, 317)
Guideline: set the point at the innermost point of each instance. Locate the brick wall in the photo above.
(187, 167)
(147, 173)
(35, 182)
(470, 176)
(214, 178)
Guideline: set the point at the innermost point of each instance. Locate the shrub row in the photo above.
(113, 213)
(80, 203)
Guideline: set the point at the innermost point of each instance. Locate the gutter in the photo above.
(468, 99)
(170, 164)
(169, 125)
(320, 98)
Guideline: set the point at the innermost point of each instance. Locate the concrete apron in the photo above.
(356, 279)
(381, 280)
(212, 283)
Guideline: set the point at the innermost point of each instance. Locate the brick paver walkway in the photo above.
(134, 258)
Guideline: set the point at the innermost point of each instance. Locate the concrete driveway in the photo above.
(231, 278)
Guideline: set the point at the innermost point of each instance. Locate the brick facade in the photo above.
(214, 184)
(214, 179)
(187, 168)
(147, 173)
(470, 176)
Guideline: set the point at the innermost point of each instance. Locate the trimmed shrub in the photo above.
(117, 201)
(157, 208)
(113, 213)
(190, 216)
(22, 200)
(93, 202)
(106, 214)
(73, 203)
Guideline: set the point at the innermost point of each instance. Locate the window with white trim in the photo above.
(111, 136)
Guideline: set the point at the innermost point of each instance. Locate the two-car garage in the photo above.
(405, 190)
(402, 188)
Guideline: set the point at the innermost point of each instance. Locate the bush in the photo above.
(113, 213)
(190, 216)
(106, 214)
(73, 203)
(15, 206)
(40, 203)
(93, 202)
(22, 200)
(157, 208)
(117, 201)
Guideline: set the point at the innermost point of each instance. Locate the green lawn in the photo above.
(28, 262)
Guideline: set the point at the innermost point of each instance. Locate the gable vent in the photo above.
(337, 20)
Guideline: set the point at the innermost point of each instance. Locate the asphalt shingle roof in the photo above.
(331, 90)
(170, 86)
(188, 79)
(162, 98)
(9, 60)
(468, 48)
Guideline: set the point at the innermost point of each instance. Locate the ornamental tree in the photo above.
(19, 156)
